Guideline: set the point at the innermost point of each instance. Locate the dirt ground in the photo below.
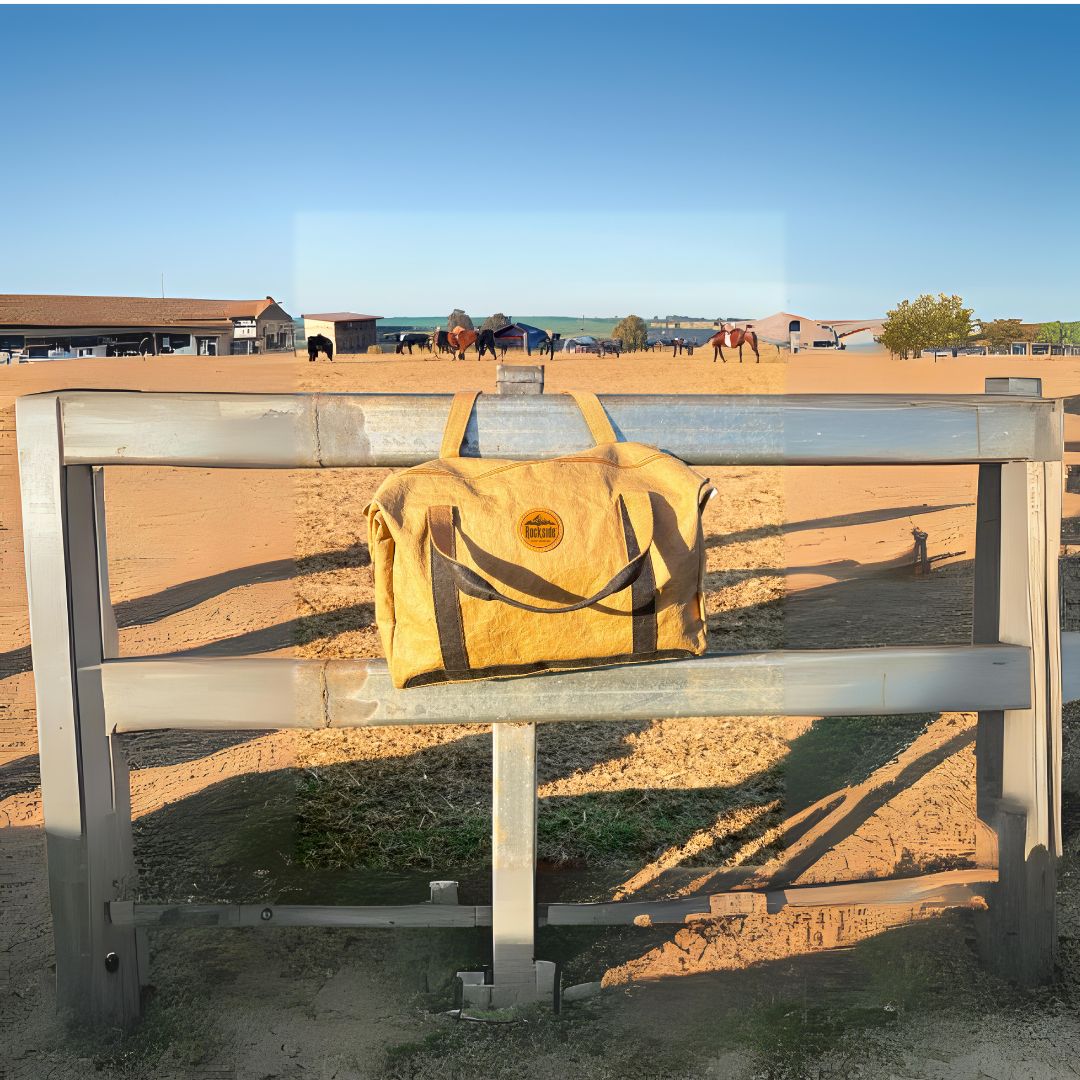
(235, 562)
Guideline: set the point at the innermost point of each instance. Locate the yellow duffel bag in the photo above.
(487, 568)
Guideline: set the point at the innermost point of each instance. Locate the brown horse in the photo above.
(733, 339)
(461, 339)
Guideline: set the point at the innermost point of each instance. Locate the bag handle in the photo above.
(443, 523)
(462, 406)
(454, 433)
(595, 418)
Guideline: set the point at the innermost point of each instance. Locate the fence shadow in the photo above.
(145, 610)
(154, 607)
(861, 517)
(284, 635)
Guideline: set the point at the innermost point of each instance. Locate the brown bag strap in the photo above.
(451, 630)
(595, 418)
(454, 433)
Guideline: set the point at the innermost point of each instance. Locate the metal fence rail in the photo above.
(267, 693)
(314, 430)
(87, 697)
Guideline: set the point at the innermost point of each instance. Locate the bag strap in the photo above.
(454, 433)
(596, 420)
(449, 577)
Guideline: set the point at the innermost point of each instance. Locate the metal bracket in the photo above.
(546, 988)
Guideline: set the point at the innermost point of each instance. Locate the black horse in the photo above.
(407, 341)
(320, 343)
(485, 341)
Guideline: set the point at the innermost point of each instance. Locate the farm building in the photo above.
(583, 343)
(518, 335)
(45, 327)
(349, 331)
(684, 322)
(798, 332)
(695, 337)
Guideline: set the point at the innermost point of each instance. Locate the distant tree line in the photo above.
(943, 322)
(1059, 333)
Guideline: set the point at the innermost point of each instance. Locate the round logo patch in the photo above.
(540, 530)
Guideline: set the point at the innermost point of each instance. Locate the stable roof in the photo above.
(342, 316)
(47, 310)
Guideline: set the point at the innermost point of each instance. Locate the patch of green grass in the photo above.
(341, 827)
(627, 828)
(838, 751)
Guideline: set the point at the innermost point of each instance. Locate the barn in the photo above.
(349, 331)
(48, 327)
(519, 335)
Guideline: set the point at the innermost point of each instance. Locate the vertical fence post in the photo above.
(513, 862)
(516, 975)
(513, 811)
(83, 775)
(1018, 751)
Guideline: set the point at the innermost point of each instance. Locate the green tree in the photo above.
(999, 334)
(1059, 333)
(459, 318)
(632, 332)
(927, 322)
(495, 322)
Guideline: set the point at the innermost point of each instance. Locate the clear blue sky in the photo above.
(546, 160)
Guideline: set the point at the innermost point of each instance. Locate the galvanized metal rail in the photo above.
(87, 697)
(295, 431)
(950, 888)
(246, 694)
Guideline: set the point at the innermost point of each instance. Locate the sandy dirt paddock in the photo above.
(235, 562)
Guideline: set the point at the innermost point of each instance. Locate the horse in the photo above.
(733, 339)
(462, 339)
(319, 343)
(407, 341)
(611, 345)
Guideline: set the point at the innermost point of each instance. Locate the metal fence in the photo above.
(88, 697)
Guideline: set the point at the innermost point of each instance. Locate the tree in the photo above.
(1059, 333)
(632, 332)
(495, 322)
(459, 318)
(926, 322)
(999, 334)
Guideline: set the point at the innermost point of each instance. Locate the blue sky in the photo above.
(538, 160)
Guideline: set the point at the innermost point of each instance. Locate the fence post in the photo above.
(83, 775)
(519, 378)
(516, 976)
(1018, 751)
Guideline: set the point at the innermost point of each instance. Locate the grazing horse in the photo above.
(733, 339)
(320, 343)
(611, 345)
